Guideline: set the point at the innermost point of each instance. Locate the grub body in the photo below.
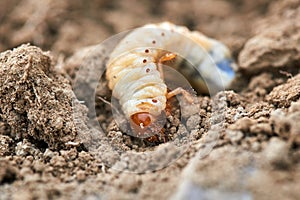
(133, 68)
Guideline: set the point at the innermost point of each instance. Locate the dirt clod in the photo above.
(276, 43)
(36, 101)
(284, 94)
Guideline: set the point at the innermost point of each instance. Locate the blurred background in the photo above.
(65, 26)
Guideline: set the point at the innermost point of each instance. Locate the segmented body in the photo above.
(132, 70)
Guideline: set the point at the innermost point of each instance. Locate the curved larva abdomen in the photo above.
(132, 70)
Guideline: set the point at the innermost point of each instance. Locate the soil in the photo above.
(59, 140)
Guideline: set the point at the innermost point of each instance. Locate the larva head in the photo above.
(145, 124)
(140, 123)
(142, 119)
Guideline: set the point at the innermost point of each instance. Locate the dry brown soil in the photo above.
(242, 144)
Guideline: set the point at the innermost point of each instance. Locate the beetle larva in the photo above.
(134, 73)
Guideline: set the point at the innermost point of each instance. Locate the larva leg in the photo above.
(166, 57)
(182, 91)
